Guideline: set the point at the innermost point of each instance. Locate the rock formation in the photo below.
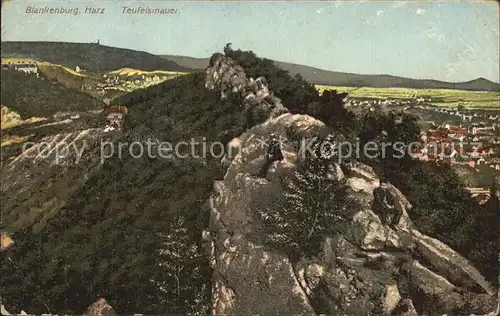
(365, 268)
(227, 77)
(100, 308)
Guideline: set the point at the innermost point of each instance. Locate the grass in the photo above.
(11, 119)
(20, 122)
(133, 72)
(41, 64)
(46, 65)
(439, 97)
(11, 140)
(51, 68)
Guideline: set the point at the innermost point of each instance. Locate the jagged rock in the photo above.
(100, 308)
(357, 269)
(3, 310)
(366, 268)
(405, 308)
(227, 77)
(456, 268)
(392, 297)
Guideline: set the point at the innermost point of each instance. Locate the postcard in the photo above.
(250, 157)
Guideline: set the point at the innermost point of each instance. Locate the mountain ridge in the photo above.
(336, 78)
(90, 56)
(97, 57)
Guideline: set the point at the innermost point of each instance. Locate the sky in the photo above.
(443, 40)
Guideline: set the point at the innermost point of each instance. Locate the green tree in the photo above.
(314, 202)
(298, 95)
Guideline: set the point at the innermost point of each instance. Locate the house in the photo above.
(450, 155)
(6, 241)
(115, 116)
(482, 198)
(482, 128)
(466, 117)
(481, 161)
(80, 69)
(115, 119)
(495, 166)
(486, 151)
(26, 68)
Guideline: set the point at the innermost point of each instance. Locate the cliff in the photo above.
(364, 266)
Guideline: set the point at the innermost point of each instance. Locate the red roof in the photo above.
(460, 131)
(116, 109)
(482, 198)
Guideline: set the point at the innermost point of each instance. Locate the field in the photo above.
(91, 80)
(134, 72)
(51, 68)
(438, 97)
(41, 64)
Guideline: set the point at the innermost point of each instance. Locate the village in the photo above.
(29, 68)
(455, 135)
(97, 83)
(128, 83)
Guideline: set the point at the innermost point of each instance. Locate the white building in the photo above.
(27, 68)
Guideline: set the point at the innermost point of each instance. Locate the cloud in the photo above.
(420, 11)
(380, 12)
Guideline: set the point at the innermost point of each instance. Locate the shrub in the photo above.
(313, 204)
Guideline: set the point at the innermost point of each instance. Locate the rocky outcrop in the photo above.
(227, 77)
(11, 118)
(364, 267)
(100, 308)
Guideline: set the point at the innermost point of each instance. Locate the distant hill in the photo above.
(188, 62)
(335, 78)
(37, 97)
(91, 56)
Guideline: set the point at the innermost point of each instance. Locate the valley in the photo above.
(178, 235)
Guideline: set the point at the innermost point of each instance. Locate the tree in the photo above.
(330, 109)
(313, 203)
(179, 260)
(298, 95)
(227, 48)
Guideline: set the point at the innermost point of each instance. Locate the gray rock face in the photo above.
(100, 308)
(366, 267)
(227, 77)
